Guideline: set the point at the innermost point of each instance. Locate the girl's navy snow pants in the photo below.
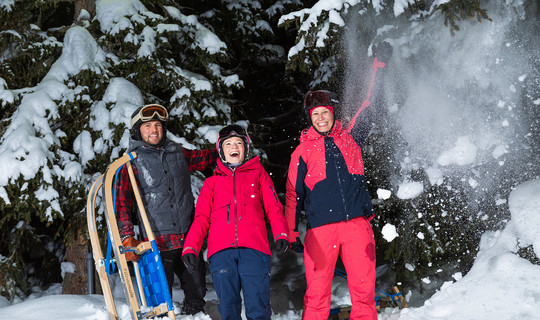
(243, 269)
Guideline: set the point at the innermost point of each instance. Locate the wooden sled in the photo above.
(393, 300)
(152, 297)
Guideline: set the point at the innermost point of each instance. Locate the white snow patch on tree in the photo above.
(67, 267)
(83, 146)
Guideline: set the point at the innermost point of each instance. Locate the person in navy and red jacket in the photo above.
(231, 210)
(326, 180)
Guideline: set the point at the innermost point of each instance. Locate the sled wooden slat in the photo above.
(400, 297)
(96, 249)
(115, 237)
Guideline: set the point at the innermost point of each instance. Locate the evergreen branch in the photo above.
(457, 10)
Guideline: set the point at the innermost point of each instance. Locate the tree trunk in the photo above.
(88, 5)
(77, 282)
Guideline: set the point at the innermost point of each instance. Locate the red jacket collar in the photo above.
(312, 134)
(222, 169)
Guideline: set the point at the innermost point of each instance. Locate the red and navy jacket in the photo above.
(232, 209)
(326, 178)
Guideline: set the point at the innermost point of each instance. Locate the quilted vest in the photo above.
(165, 187)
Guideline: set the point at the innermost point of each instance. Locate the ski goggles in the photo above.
(320, 98)
(149, 112)
(231, 131)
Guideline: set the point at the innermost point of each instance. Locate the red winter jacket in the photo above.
(230, 210)
(326, 178)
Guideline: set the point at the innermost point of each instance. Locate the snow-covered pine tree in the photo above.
(69, 119)
(26, 55)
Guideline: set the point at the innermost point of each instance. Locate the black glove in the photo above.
(282, 246)
(383, 51)
(297, 246)
(189, 260)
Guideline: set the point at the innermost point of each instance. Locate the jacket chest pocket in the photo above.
(221, 213)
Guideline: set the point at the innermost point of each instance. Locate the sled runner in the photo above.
(152, 297)
(96, 249)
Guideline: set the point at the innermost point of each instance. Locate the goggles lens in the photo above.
(150, 112)
(319, 98)
(232, 130)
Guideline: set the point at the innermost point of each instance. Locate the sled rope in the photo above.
(110, 266)
(392, 296)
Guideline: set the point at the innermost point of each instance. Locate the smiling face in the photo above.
(322, 119)
(152, 132)
(233, 149)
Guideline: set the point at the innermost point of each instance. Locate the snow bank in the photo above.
(499, 285)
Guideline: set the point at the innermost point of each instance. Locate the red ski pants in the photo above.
(353, 240)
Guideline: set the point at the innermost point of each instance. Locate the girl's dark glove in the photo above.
(189, 260)
(297, 246)
(282, 246)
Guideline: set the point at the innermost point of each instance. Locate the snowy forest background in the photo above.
(458, 129)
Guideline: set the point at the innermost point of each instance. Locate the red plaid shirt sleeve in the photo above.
(199, 160)
(170, 241)
(124, 202)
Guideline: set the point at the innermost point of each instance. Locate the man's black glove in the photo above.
(383, 51)
(297, 246)
(189, 260)
(282, 246)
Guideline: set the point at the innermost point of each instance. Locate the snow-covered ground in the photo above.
(501, 285)
(436, 119)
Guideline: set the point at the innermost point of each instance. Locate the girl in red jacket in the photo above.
(230, 211)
